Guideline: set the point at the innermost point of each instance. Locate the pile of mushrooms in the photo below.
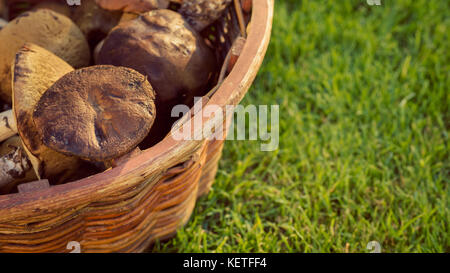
(90, 85)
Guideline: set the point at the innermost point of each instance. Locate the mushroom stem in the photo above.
(8, 126)
(12, 166)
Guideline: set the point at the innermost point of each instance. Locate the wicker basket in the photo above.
(127, 208)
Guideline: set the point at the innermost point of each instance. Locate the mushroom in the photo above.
(45, 28)
(163, 46)
(8, 145)
(202, 13)
(134, 6)
(126, 16)
(15, 167)
(8, 126)
(35, 70)
(59, 7)
(98, 113)
(17, 7)
(94, 21)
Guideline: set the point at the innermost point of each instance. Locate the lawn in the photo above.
(363, 154)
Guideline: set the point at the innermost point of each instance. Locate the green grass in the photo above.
(364, 105)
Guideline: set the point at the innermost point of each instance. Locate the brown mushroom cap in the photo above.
(35, 70)
(48, 29)
(136, 6)
(96, 113)
(94, 21)
(161, 45)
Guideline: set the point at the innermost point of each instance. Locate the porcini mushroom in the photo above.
(48, 29)
(94, 21)
(134, 6)
(14, 164)
(162, 46)
(35, 70)
(202, 13)
(97, 113)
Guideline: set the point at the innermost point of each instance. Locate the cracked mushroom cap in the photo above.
(135, 6)
(45, 28)
(35, 70)
(96, 113)
(161, 45)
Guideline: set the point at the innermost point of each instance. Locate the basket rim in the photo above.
(82, 192)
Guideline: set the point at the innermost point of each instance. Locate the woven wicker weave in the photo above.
(149, 196)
